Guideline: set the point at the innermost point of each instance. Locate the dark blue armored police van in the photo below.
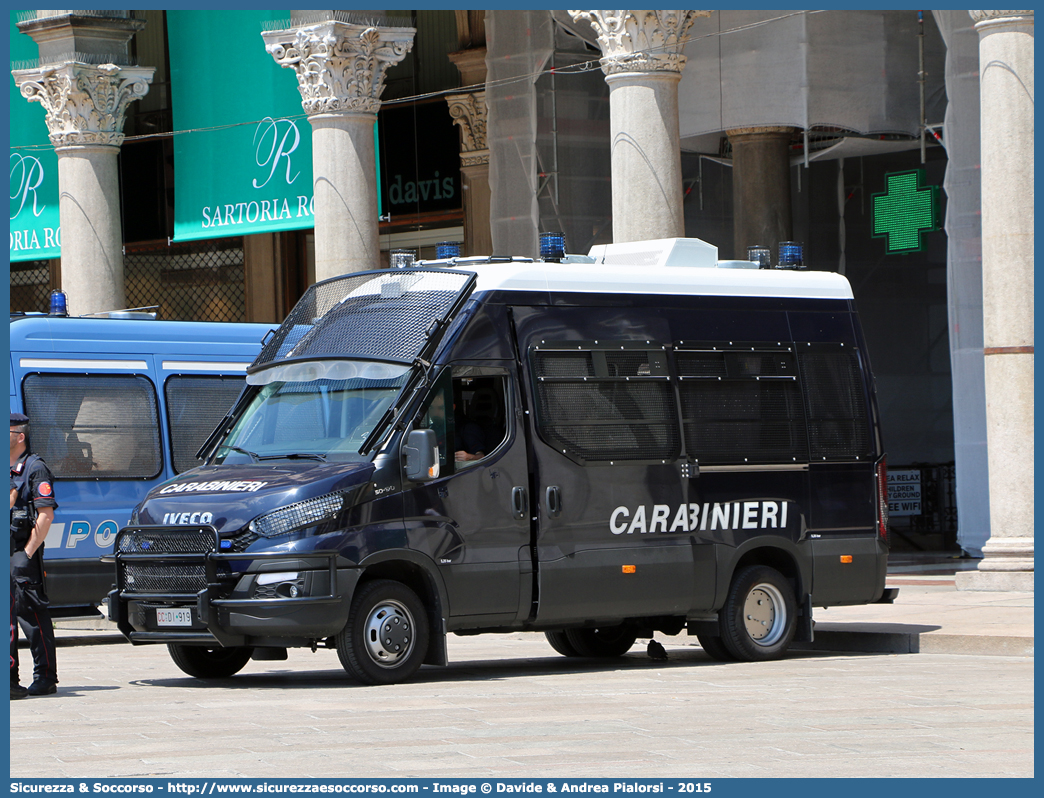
(643, 439)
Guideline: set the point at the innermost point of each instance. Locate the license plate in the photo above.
(174, 617)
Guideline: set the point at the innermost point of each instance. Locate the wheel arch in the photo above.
(421, 576)
(782, 558)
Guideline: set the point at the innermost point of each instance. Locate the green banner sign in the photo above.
(243, 148)
(35, 230)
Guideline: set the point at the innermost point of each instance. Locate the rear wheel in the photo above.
(602, 641)
(560, 643)
(386, 637)
(209, 663)
(760, 614)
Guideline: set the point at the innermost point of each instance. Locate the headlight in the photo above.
(297, 516)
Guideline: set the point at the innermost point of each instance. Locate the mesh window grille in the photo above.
(838, 427)
(735, 408)
(195, 406)
(386, 316)
(740, 421)
(94, 426)
(31, 286)
(195, 281)
(605, 418)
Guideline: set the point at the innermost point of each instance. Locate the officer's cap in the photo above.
(19, 418)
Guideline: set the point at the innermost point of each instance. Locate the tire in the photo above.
(715, 648)
(608, 641)
(760, 615)
(560, 643)
(386, 637)
(209, 663)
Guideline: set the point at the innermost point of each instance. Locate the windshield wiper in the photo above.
(295, 456)
(252, 455)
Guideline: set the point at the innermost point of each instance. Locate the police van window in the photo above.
(838, 421)
(195, 406)
(741, 403)
(606, 401)
(467, 410)
(94, 427)
(479, 415)
(434, 415)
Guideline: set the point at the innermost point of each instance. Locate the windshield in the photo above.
(321, 419)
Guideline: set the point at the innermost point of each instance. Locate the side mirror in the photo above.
(422, 455)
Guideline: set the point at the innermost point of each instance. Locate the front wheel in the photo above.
(209, 663)
(760, 615)
(386, 637)
(603, 641)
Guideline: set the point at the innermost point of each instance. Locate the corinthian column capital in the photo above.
(85, 104)
(1001, 16)
(468, 112)
(640, 41)
(340, 66)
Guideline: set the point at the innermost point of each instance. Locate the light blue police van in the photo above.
(118, 405)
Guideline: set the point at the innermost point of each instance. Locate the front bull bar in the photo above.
(208, 601)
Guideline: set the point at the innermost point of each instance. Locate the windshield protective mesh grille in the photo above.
(386, 315)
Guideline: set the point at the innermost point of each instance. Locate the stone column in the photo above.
(1006, 95)
(760, 187)
(86, 106)
(469, 114)
(642, 62)
(340, 71)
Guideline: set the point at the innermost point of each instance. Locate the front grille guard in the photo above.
(208, 602)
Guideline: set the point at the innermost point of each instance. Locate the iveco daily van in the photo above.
(598, 447)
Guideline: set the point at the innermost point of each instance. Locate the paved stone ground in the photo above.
(509, 707)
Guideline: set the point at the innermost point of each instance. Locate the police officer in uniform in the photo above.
(17, 691)
(31, 517)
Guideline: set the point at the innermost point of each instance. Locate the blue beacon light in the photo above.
(552, 246)
(59, 304)
(447, 249)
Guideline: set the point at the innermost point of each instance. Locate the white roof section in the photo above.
(673, 267)
(678, 252)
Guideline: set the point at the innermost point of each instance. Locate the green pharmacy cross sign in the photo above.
(905, 210)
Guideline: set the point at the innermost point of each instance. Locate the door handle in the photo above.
(553, 501)
(518, 501)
